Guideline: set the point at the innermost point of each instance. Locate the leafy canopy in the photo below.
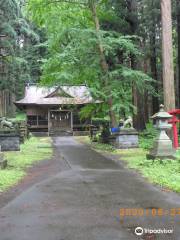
(74, 57)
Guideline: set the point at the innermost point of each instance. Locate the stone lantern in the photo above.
(163, 147)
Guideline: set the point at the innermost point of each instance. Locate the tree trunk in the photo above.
(7, 107)
(167, 55)
(1, 104)
(137, 97)
(103, 62)
(153, 64)
(147, 103)
(178, 32)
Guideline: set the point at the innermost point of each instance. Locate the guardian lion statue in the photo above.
(128, 123)
(4, 123)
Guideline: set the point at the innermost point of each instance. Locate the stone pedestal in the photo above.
(162, 148)
(126, 138)
(10, 141)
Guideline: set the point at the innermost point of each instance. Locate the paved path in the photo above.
(83, 200)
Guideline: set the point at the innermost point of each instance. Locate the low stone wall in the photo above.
(9, 142)
(81, 133)
(40, 134)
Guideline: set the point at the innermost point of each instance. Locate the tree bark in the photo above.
(167, 55)
(153, 64)
(103, 62)
(1, 104)
(137, 96)
(178, 32)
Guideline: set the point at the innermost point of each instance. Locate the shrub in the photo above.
(105, 134)
(147, 136)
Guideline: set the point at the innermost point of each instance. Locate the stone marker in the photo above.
(3, 162)
(163, 147)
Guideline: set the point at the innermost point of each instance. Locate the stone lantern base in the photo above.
(163, 148)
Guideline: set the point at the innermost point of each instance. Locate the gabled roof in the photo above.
(59, 92)
(35, 95)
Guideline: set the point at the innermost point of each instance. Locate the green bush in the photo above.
(147, 136)
(100, 121)
(105, 134)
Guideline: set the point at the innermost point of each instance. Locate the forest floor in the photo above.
(163, 173)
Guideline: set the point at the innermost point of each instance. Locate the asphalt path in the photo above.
(84, 201)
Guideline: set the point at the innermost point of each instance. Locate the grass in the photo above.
(33, 150)
(165, 173)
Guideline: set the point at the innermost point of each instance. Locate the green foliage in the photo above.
(97, 112)
(18, 162)
(100, 121)
(147, 136)
(19, 63)
(20, 116)
(105, 134)
(74, 57)
(88, 111)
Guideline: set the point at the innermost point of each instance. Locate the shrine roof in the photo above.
(35, 95)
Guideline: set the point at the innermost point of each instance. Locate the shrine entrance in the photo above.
(60, 121)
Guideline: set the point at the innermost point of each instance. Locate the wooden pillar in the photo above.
(72, 120)
(1, 104)
(37, 120)
(48, 121)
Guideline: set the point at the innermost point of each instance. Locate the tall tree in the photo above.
(178, 47)
(138, 96)
(153, 55)
(20, 50)
(103, 61)
(167, 55)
